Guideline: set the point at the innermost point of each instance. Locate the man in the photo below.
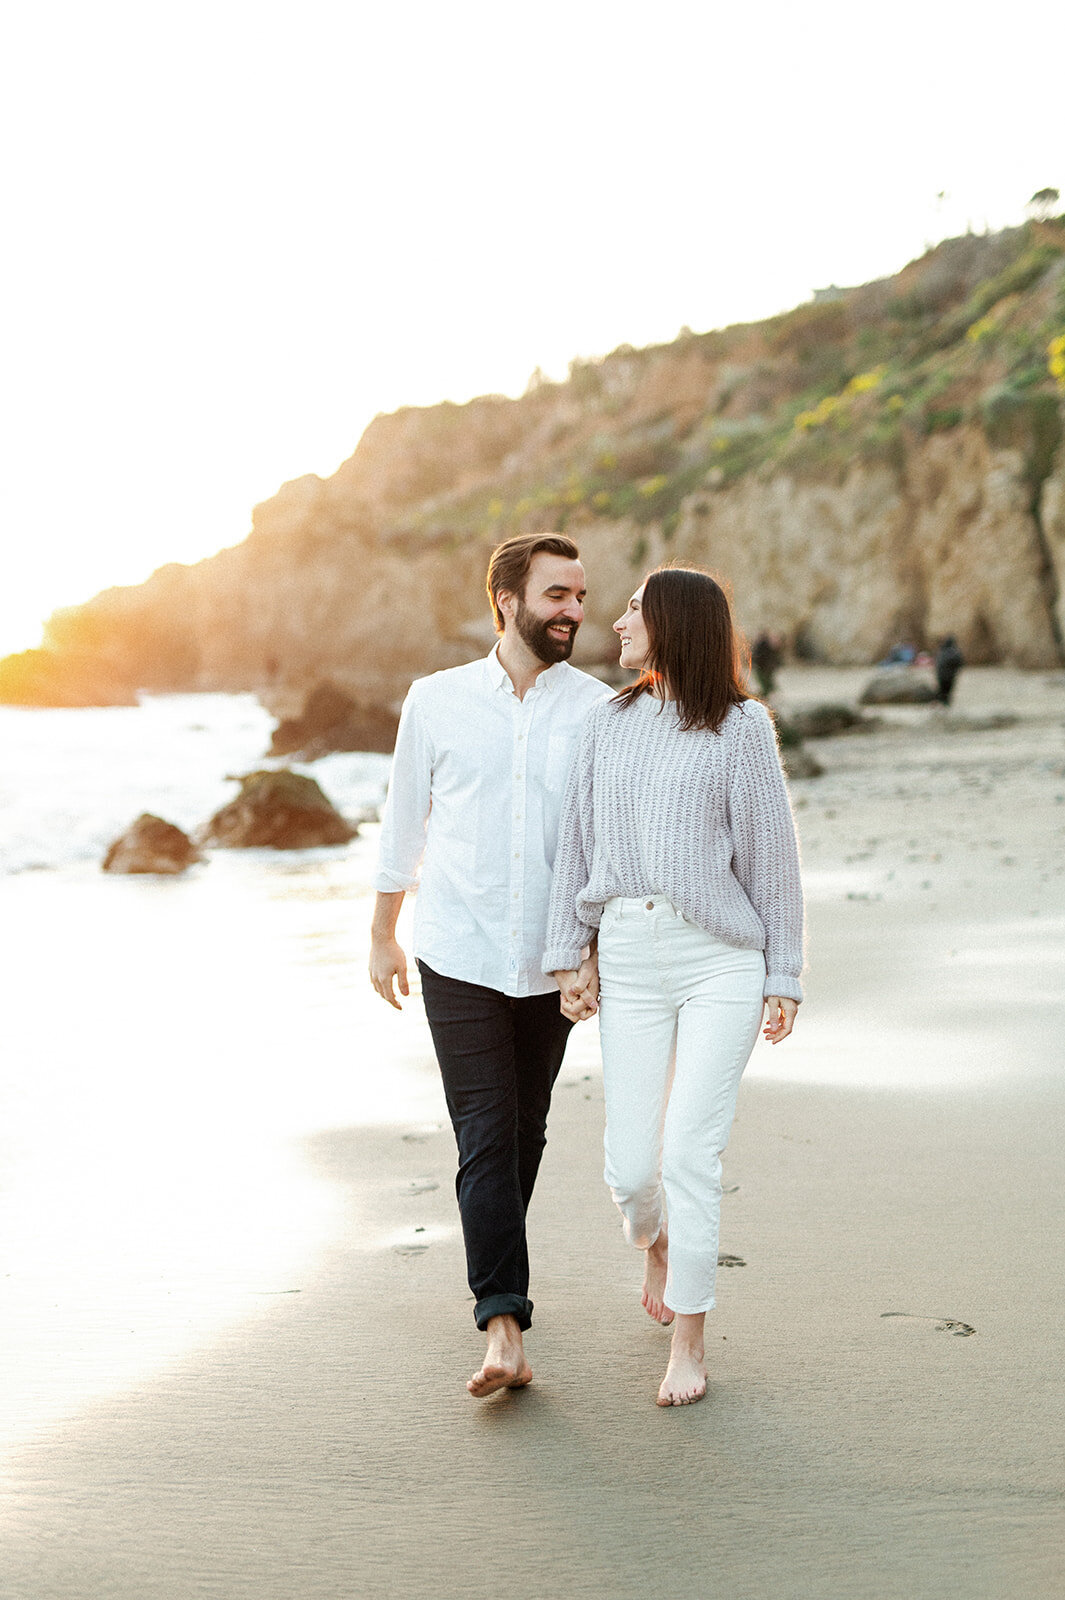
(949, 662)
(482, 756)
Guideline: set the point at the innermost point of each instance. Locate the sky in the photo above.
(237, 232)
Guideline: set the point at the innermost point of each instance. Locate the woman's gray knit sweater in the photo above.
(700, 817)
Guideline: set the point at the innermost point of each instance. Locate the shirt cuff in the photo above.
(386, 882)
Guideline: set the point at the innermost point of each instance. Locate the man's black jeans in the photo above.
(499, 1059)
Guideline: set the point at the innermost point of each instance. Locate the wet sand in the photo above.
(886, 1401)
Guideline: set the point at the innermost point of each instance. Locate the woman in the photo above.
(677, 850)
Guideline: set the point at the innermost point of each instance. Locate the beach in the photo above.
(236, 1330)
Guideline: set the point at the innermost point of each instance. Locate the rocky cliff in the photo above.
(884, 463)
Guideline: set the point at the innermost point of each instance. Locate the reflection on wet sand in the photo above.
(172, 1042)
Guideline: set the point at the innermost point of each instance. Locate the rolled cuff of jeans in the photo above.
(518, 1306)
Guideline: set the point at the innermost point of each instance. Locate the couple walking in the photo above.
(633, 854)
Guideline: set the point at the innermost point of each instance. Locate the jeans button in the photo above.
(650, 905)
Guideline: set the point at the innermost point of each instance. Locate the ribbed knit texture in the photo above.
(702, 818)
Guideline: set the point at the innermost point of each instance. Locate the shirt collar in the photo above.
(499, 677)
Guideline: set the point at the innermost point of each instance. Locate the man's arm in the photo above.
(402, 842)
(387, 960)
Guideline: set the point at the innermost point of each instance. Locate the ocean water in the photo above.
(72, 780)
(169, 1047)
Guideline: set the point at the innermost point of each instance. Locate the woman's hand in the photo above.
(780, 1017)
(579, 990)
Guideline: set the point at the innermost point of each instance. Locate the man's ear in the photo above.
(505, 602)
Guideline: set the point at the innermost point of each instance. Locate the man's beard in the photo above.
(540, 642)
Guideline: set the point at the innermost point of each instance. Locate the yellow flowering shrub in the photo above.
(980, 329)
(865, 381)
(1056, 360)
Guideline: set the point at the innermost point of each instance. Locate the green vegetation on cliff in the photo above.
(972, 332)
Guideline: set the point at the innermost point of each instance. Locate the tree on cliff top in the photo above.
(1043, 203)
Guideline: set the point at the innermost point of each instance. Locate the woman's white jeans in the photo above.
(679, 1016)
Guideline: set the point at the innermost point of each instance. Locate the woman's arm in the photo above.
(766, 852)
(567, 935)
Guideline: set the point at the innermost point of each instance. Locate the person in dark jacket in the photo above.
(766, 658)
(949, 662)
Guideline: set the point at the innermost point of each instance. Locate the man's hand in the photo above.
(780, 1018)
(388, 962)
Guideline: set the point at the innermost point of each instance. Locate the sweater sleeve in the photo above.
(765, 849)
(567, 935)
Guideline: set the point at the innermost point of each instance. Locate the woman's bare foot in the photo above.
(685, 1379)
(655, 1267)
(505, 1366)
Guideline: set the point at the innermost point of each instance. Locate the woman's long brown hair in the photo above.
(694, 647)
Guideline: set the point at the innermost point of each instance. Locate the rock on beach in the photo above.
(332, 720)
(899, 687)
(281, 810)
(150, 844)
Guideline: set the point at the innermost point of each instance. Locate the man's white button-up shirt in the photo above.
(474, 800)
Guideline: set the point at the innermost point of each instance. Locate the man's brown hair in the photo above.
(511, 560)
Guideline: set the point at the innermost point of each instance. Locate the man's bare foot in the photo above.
(656, 1265)
(685, 1379)
(505, 1366)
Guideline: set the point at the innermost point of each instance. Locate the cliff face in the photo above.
(880, 466)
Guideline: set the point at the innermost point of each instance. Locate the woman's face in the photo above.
(632, 631)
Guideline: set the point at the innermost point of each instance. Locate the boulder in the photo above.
(333, 720)
(796, 759)
(799, 763)
(824, 722)
(281, 810)
(151, 845)
(899, 686)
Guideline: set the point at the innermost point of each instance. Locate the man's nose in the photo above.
(573, 610)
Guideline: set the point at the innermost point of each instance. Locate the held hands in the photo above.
(580, 990)
(387, 961)
(780, 1018)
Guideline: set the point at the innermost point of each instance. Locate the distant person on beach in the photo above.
(677, 852)
(949, 662)
(767, 656)
(482, 757)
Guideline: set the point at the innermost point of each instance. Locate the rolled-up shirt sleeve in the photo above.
(406, 813)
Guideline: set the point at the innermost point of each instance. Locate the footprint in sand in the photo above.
(731, 1261)
(410, 1249)
(420, 1186)
(961, 1330)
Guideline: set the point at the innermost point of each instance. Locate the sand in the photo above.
(885, 1414)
